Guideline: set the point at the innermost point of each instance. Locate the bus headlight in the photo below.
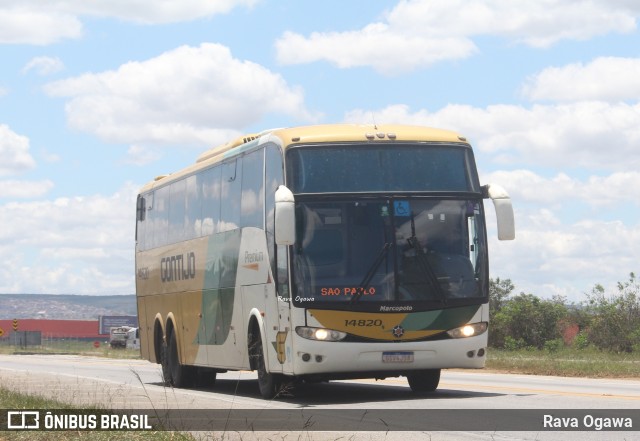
(320, 334)
(469, 330)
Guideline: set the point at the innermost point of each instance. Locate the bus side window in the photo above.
(209, 186)
(160, 221)
(177, 199)
(252, 190)
(193, 209)
(230, 195)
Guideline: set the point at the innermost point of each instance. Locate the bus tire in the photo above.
(180, 375)
(424, 381)
(268, 383)
(164, 362)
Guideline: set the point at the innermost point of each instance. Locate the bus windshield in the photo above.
(387, 227)
(389, 254)
(354, 168)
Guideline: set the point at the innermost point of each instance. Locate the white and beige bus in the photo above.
(318, 253)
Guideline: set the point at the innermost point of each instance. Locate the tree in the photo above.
(499, 291)
(615, 317)
(528, 321)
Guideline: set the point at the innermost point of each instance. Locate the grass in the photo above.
(72, 347)
(14, 400)
(566, 362)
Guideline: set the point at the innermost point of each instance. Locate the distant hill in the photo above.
(65, 306)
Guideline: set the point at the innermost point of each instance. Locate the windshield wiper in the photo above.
(372, 271)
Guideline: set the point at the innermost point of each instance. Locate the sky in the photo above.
(97, 98)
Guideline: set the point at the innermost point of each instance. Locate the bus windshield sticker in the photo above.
(401, 208)
(348, 291)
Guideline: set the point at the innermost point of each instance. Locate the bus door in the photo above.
(259, 295)
(262, 298)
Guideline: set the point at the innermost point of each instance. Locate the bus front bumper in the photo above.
(369, 360)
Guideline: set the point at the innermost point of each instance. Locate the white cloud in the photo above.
(376, 45)
(417, 33)
(607, 79)
(588, 134)
(13, 189)
(23, 23)
(44, 65)
(535, 23)
(48, 156)
(150, 11)
(140, 155)
(69, 245)
(595, 191)
(550, 257)
(190, 95)
(69, 222)
(14, 151)
(41, 23)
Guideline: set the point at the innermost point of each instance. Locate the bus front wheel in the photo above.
(424, 381)
(268, 383)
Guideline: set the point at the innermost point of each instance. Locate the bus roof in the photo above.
(315, 134)
(363, 133)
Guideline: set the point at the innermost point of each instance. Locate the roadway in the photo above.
(136, 384)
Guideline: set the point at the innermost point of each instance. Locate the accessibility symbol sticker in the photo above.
(401, 208)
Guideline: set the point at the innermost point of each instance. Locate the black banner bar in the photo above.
(382, 420)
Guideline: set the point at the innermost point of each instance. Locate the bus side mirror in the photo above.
(504, 210)
(285, 222)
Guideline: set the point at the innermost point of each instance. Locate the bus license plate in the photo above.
(397, 357)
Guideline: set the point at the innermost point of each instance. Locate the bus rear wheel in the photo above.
(179, 374)
(424, 381)
(164, 362)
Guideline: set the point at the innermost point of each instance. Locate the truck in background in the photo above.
(125, 337)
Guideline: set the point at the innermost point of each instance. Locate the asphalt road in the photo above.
(346, 410)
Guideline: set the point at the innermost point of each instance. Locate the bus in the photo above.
(318, 253)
